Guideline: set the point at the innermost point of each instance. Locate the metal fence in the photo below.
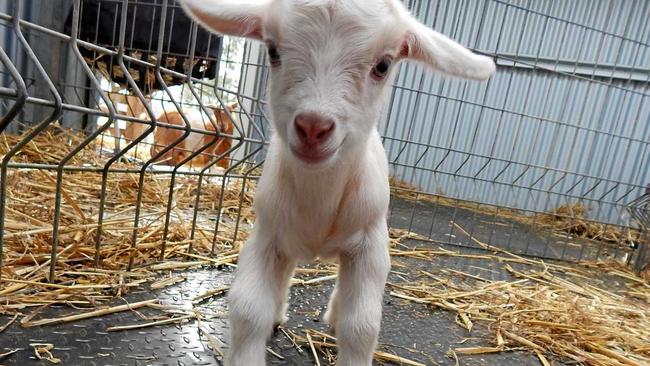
(542, 160)
(564, 124)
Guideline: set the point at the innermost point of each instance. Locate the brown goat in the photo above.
(164, 136)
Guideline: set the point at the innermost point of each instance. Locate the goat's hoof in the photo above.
(330, 321)
(277, 327)
(329, 318)
(332, 329)
(280, 322)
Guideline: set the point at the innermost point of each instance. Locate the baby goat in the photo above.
(324, 191)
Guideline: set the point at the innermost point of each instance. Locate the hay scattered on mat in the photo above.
(572, 219)
(549, 309)
(322, 345)
(568, 219)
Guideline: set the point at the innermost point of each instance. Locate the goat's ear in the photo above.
(242, 18)
(441, 53)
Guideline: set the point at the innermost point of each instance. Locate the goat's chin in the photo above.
(314, 162)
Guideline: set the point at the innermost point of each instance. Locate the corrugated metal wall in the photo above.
(566, 119)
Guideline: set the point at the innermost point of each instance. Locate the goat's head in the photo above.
(332, 62)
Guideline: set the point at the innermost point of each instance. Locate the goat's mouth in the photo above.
(312, 156)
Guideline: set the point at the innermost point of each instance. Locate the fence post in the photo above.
(639, 210)
(642, 260)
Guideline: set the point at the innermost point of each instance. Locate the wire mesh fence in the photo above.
(131, 135)
(562, 128)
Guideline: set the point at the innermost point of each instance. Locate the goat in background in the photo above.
(219, 146)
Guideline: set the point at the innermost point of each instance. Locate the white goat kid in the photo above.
(324, 191)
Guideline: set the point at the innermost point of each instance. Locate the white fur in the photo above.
(336, 208)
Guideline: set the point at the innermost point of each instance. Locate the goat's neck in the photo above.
(330, 183)
(331, 180)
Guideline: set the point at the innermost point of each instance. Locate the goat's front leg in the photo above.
(358, 298)
(255, 298)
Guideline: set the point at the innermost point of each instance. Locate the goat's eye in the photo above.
(274, 56)
(381, 69)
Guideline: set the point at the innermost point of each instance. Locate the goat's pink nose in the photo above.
(313, 128)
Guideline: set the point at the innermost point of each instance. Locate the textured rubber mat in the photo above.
(410, 330)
